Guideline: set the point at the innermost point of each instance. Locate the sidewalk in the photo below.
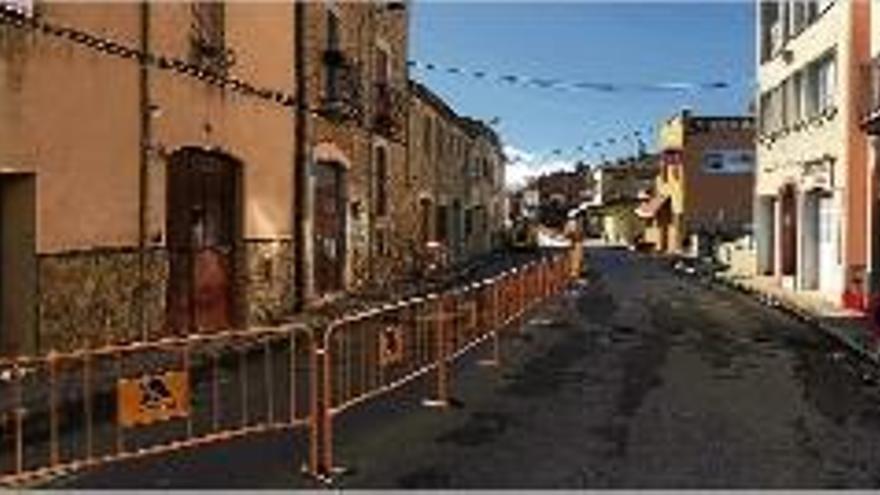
(847, 326)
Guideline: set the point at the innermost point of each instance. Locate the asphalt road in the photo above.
(637, 378)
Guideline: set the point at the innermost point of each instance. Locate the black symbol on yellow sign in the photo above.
(155, 394)
(153, 398)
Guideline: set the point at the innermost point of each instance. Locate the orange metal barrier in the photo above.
(67, 411)
(369, 354)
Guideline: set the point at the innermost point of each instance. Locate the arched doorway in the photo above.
(329, 223)
(203, 221)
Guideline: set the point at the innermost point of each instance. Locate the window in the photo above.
(783, 91)
(381, 242)
(438, 140)
(772, 26)
(383, 66)
(426, 140)
(207, 37)
(381, 182)
(713, 162)
(729, 161)
(798, 13)
(773, 108)
(441, 223)
(784, 19)
(795, 97)
(821, 85)
(332, 59)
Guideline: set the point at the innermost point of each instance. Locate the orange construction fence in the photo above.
(67, 411)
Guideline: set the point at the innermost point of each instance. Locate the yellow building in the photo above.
(704, 186)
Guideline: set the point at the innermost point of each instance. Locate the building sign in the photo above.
(153, 398)
(818, 174)
(729, 161)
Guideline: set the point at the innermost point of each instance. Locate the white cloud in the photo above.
(523, 165)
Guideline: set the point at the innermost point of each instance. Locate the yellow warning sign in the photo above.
(390, 345)
(152, 398)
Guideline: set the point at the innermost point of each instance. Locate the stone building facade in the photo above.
(456, 177)
(356, 66)
(484, 197)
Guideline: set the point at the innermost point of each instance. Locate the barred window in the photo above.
(208, 43)
(381, 182)
(333, 69)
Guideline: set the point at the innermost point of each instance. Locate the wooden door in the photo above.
(18, 264)
(329, 228)
(203, 231)
(789, 231)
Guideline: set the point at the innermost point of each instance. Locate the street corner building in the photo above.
(812, 187)
(703, 189)
(170, 168)
(617, 190)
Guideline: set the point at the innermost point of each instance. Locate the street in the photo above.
(638, 378)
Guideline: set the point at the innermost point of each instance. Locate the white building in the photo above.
(810, 204)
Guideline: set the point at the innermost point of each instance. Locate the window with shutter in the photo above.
(208, 44)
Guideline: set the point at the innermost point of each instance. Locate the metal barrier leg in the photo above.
(494, 324)
(323, 420)
(441, 399)
(322, 467)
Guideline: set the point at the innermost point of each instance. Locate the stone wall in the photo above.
(90, 298)
(269, 289)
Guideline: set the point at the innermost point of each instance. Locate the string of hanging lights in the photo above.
(17, 19)
(566, 85)
(597, 146)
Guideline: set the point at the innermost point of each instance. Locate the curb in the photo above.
(791, 309)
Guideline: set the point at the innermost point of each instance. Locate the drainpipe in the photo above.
(300, 159)
(368, 24)
(145, 140)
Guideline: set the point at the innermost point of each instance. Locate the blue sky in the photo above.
(616, 42)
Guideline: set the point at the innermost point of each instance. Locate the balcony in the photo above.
(342, 98)
(211, 55)
(870, 99)
(389, 111)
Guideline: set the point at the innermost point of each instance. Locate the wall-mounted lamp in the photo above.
(154, 111)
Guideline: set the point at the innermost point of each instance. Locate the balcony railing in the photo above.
(870, 97)
(342, 98)
(389, 112)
